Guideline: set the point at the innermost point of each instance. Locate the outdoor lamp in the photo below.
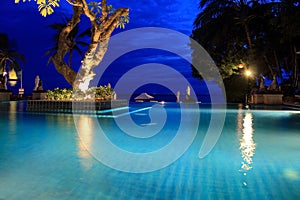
(248, 73)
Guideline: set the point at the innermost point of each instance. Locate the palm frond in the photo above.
(79, 51)
(86, 32)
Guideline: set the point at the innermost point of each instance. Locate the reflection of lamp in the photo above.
(247, 144)
(85, 141)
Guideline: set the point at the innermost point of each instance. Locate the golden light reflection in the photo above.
(247, 145)
(60, 119)
(245, 133)
(12, 117)
(86, 139)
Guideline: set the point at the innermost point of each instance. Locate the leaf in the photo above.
(41, 2)
(43, 12)
(95, 6)
(49, 10)
(54, 3)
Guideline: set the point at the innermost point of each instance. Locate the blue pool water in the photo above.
(42, 156)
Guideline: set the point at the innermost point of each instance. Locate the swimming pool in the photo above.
(42, 156)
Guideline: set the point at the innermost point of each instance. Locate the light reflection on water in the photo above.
(247, 147)
(247, 144)
(12, 118)
(85, 142)
(55, 165)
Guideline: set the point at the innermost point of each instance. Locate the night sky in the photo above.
(28, 31)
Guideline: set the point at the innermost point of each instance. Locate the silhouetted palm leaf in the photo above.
(74, 37)
(9, 58)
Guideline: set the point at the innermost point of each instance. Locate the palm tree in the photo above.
(237, 30)
(9, 58)
(223, 28)
(288, 26)
(75, 41)
(264, 34)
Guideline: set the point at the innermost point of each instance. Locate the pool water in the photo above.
(256, 157)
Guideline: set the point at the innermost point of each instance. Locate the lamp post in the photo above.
(21, 90)
(247, 74)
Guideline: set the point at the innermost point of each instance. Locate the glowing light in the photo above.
(241, 66)
(83, 86)
(247, 144)
(13, 77)
(248, 73)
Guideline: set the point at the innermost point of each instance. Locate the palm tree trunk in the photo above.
(278, 65)
(295, 70)
(248, 36)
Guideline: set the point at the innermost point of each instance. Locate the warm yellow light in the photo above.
(12, 75)
(247, 144)
(83, 86)
(241, 66)
(84, 125)
(248, 73)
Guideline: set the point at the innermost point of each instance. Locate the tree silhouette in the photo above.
(103, 22)
(9, 58)
(76, 39)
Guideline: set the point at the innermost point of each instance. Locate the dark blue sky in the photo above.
(29, 31)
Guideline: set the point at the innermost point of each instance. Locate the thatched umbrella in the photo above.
(144, 96)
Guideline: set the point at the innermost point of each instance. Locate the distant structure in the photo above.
(36, 85)
(273, 85)
(178, 96)
(188, 93)
(40, 85)
(143, 97)
(3, 81)
(262, 84)
(114, 95)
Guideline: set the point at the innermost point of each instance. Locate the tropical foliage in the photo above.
(45, 7)
(77, 41)
(9, 58)
(94, 93)
(104, 19)
(262, 35)
(59, 94)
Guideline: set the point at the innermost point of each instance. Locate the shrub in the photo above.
(98, 93)
(59, 94)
